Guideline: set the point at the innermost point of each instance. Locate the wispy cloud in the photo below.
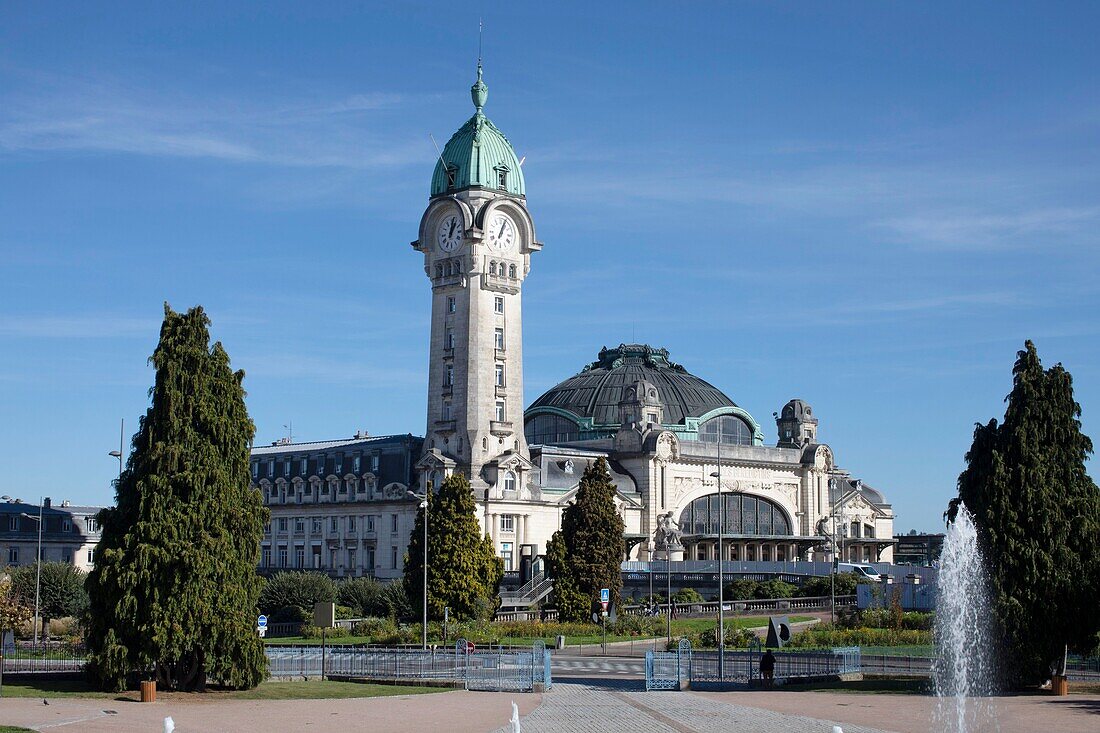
(105, 116)
(979, 229)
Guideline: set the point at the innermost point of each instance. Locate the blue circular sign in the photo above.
(262, 621)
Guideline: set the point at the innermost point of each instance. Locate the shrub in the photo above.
(299, 590)
(775, 589)
(364, 596)
(827, 635)
(314, 632)
(821, 586)
(741, 589)
(687, 595)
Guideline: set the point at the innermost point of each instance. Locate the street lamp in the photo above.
(38, 563)
(118, 453)
(424, 505)
(721, 591)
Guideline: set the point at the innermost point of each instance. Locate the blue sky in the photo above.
(866, 205)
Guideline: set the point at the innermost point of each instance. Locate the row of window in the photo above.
(18, 523)
(501, 175)
(502, 269)
(66, 556)
(282, 557)
(302, 490)
(316, 524)
(286, 465)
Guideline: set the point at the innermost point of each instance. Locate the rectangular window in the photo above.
(92, 524)
(271, 467)
(502, 179)
(498, 304)
(393, 523)
(446, 412)
(369, 561)
(449, 339)
(13, 556)
(320, 462)
(282, 524)
(351, 524)
(304, 469)
(448, 375)
(507, 522)
(500, 411)
(374, 464)
(286, 467)
(498, 339)
(355, 464)
(370, 523)
(255, 469)
(451, 304)
(651, 417)
(316, 525)
(351, 558)
(299, 525)
(91, 556)
(500, 375)
(282, 557)
(265, 557)
(13, 523)
(299, 557)
(506, 554)
(393, 558)
(334, 525)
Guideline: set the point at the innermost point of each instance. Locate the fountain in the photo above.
(964, 671)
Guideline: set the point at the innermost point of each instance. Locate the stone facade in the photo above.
(69, 533)
(338, 506)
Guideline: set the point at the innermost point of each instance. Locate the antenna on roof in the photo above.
(480, 30)
(521, 160)
(437, 152)
(289, 432)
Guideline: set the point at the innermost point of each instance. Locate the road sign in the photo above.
(263, 631)
(605, 596)
(261, 622)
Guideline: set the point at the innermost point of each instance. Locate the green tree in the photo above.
(290, 595)
(174, 588)
(362, 595)
(61, 590)
(586, 554)
(13, 612)
(1038, 517)
(464, 572)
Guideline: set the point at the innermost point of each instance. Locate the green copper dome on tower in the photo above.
(478, 155)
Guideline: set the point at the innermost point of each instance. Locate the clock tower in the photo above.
(477, 238)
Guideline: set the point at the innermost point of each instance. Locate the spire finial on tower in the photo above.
(479, 92)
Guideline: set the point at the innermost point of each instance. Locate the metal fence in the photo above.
(1083, 669)
(744, 665)
(498, 669)
(43, 658)
(668, 670)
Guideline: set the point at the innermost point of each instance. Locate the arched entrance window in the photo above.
(509, 481)
(734, 430)
(744, 515)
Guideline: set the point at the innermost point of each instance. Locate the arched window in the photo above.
(492, 268)
(551, 429)
(439, 271)
(511, 271)
(509, 481)
(744, 515)
(734, 430)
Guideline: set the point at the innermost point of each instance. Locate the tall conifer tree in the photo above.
(174, 589)
(464, 572)
(586, 554)
(1038, 517)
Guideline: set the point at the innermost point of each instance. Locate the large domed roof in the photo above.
(478, 154)
(596, 391)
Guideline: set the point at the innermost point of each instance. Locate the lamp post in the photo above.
(38, 563)
(721, 591)
(118, 453)
(424, 505)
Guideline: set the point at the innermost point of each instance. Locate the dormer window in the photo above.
(502, 178)
(452, 176)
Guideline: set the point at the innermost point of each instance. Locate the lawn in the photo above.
(14, 729)
(312, 690)
(679, 628)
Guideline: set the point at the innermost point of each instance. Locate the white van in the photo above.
(862, 571)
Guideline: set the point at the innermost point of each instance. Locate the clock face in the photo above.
(450, 233)
(501, 233)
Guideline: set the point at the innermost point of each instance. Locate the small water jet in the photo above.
(964, 671)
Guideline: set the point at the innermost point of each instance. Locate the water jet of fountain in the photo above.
(964, 671)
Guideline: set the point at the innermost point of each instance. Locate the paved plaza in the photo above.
(574, 706)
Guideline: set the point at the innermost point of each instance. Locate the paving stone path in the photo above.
(582, 708)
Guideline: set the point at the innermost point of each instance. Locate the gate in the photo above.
(668, 670)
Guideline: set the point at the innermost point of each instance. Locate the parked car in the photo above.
(862, 571)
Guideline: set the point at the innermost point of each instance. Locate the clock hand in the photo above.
(451, 233)
(501, 232)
